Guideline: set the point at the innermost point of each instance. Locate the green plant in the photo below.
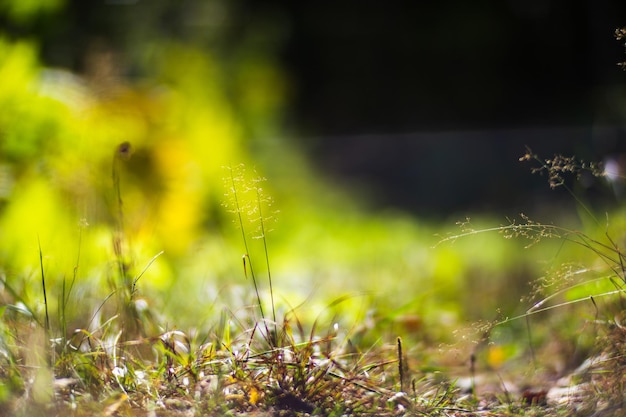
(247, 200)
(569, 285)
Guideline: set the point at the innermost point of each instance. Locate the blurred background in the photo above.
(377, 127)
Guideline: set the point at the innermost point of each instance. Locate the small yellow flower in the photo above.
(254, 396)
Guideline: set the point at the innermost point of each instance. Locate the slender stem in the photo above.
(119, 239)
(530, 342)
(43, 285)
(401, 365)
(245, 242)
(267, 259)
(75, 273)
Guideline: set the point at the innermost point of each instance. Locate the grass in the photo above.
(121, 358)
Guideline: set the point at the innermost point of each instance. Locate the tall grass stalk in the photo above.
(133, 287)
(122, 153)
(549, 291)
(247, 261)
(43, 286)
(239, 209)
(132, 325)
(267, 258)
(67, 291)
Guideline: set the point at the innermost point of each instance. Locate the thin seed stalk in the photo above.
(267, 259)
(245, 242)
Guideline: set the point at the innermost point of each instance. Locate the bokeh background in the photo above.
(377, 127)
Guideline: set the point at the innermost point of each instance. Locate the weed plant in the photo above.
(600, 287)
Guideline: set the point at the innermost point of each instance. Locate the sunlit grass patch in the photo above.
(255, 339)
(572, 308)
(126, 290)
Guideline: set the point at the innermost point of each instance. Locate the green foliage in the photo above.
(25, 11)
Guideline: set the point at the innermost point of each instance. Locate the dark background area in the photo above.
(420, 105)
(429, 105)
(454, 65)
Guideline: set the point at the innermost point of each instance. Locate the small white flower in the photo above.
(119, 372)
(140, 377)
(141, 304)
